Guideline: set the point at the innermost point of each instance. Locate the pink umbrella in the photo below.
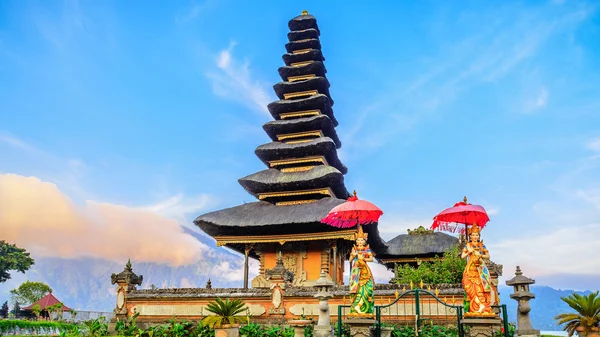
(353, 212)
(461, 213)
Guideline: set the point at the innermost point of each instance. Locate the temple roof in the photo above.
(310, 33)
(302, 22)
(264, 218)
(272, 180)
(316, 68)
(319, 122)
(303, 44)
(256, 218)
(318, 102)
(310, 55)
(316, 83)
(47, 301)
(423, 244)
(323, 146)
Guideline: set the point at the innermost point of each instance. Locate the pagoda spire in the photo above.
(302, 161)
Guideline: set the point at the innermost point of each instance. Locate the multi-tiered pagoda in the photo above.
(304, 178)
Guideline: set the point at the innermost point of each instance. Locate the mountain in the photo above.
(84, 284)
(544, 306)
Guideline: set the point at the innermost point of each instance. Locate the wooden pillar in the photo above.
(335, 264)
(247, 250)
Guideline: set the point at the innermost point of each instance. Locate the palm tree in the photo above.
(225, 311)
(586, 315)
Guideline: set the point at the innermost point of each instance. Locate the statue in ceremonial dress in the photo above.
(480, 293)
(361, 278)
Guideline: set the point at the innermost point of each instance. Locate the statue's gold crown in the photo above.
(475, 229)
(360, 234)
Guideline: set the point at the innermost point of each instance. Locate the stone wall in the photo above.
(159, 305)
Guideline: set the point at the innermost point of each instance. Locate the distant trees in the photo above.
(446, 269)
(29, 292)
(4, 310)
(13, 258)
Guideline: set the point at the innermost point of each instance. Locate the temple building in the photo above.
(415, 247)
(303, 179)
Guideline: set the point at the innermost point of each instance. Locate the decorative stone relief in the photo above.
(120, 299)
(309, 309)
(260, 282)
(188, 310)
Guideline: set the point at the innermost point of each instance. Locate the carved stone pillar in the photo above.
(126, 282)
(278, 278)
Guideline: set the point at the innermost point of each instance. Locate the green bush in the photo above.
(445, 270)
(9, 325)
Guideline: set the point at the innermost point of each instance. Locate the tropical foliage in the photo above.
(13, 258)
(445, 270)
(29, 292)
(225, 312)
(586, 315)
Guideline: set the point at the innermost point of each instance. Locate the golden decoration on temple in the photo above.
(437, 292)
(397, 294)
(305, 12)
(403, 288)
(429, 287)
(412, 286)
(421, 284)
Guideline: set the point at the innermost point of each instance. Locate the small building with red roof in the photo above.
(45, 302)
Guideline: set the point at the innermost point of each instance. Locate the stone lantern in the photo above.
(323, 285)
(522, 295)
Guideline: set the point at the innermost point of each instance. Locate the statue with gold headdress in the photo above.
(480, 293)
(361, 278)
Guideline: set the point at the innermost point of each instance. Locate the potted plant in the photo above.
(585, 319)
(226, 317)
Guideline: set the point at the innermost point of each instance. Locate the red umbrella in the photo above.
(353, 212)
(462, 213)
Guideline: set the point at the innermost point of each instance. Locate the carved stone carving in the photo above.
(260, 282)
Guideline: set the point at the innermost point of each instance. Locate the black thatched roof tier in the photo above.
(264, 218)
(316, 68)
(258, 218)
(311, 55)
(303, 44)
(273, 180)
(310, 33)
(323, 146)
(415, 245)
(302, 22)
(315, 102)
(319, 122)
(316, 83)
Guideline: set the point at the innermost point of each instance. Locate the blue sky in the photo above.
(159, 106)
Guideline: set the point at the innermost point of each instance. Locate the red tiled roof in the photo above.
(47, 301)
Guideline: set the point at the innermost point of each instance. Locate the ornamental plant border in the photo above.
(9, 325)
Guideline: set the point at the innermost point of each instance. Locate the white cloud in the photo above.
(392, 225)
(16, 142)
(594, 144)
(228, 273)
(233, 81)
(568, 250)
